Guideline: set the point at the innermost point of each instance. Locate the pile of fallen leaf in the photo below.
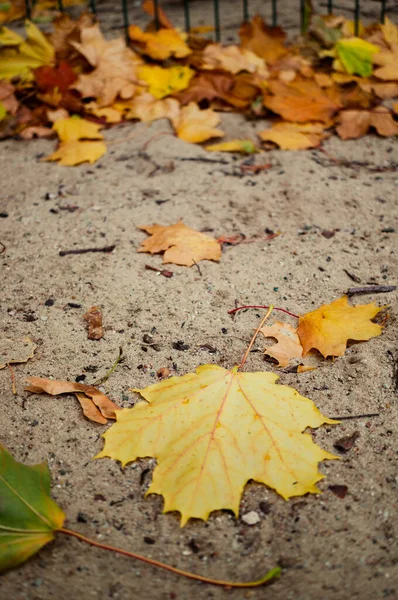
(74, 82)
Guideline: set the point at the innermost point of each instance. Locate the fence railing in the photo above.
(304, 6)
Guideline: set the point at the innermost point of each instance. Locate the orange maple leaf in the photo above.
(329, 327)
(267, 42)
(300, 101)
(181, 244)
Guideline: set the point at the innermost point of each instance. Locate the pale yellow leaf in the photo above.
(70, 154)
(212, 431)
(195, 125)
(75, 128)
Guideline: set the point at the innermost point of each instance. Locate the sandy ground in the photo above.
(329, 547)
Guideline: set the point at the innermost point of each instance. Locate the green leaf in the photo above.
(356, 55)
(28, 515)
(3, 111)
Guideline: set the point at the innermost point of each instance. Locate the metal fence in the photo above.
(304, 7)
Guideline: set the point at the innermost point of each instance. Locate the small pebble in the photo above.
(251, 518)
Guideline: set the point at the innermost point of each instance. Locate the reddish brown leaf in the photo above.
(60, 77)
(94, 319)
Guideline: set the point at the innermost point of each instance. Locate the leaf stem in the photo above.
(270, 309)
(234, 310)
(272, 574)
(113, 367)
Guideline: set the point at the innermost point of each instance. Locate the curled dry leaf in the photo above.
(115, 67)
(94, 320)
(195, 125)
(387, 64)
(37, 131)
(329, 327)
(213, 430)
(181, 244)
(295, 136)
(7, 98)
(147, 108)
(356, 123)
(288, 346)
(107, 408)
(16, 351)
(233, 59)
(161, 44)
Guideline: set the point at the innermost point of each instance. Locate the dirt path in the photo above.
(330, 548)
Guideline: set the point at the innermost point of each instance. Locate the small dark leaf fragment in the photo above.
(347, 442)
(339, 490)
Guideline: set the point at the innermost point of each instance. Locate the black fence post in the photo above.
(187, 16)
(356, 17)
(245, 11)
(274, 13)
(93, 6)
(217, 19)
(157, 19)
(383, 10)
(28, 9)
(126, 23)
(60, 6)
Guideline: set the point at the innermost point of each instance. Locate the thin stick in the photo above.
(365, 416)
(105, 249)
(14, 387)
(371, 289)
(272, 574)
(234, 310)
(270, 309)
(113, 367)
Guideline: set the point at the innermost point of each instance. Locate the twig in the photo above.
(155, 137)
(272, 574)
(14, 387)
(86, 250)
(270, 309)
(352, 276)
(3, 249)
(197, 266)
(113, 367)
(163, 272)
(234, 310)
(127, 138)
(371, 289)
(365, 416)
(220, 161)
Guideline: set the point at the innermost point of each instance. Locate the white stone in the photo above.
(251, 518)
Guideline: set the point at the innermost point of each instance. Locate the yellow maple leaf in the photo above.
(181, 244)
(213, 430)
(160, 44)
(109, 113)
(242, 146)
(22, 56)
(75, 128)
(288, 345)
(163, 82)
(295, 136)
(195, 125)
(329, 327)
(70, 154)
